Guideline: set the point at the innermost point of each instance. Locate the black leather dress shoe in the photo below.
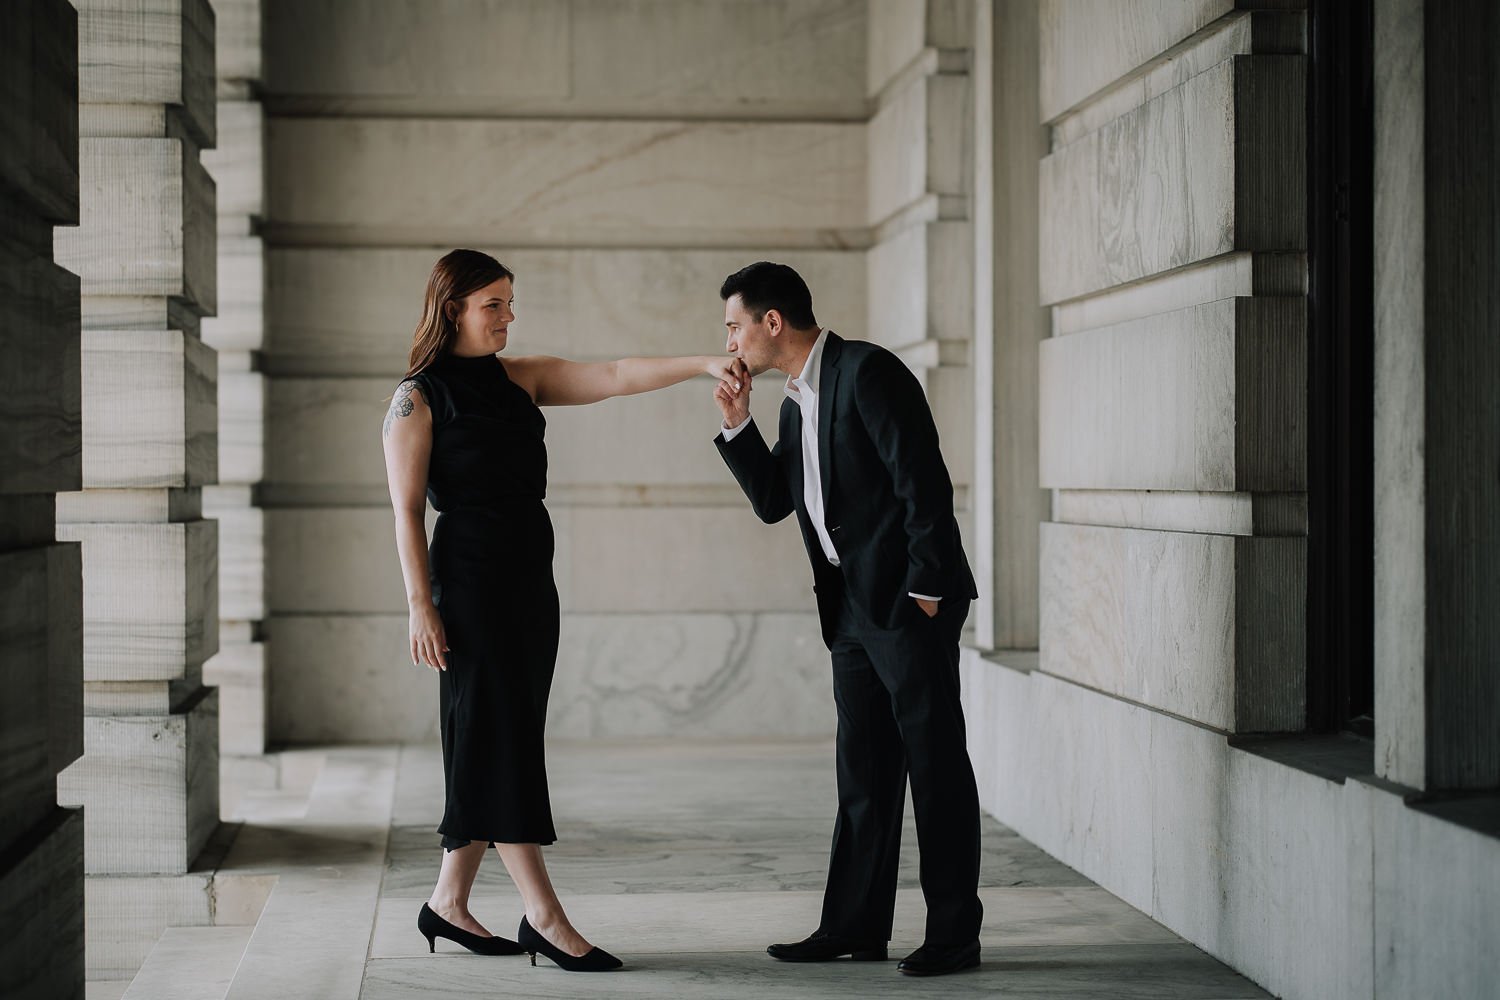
(822, 947)
(937, 960)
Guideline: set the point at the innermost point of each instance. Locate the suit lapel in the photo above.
(791, 442)
(828, 385)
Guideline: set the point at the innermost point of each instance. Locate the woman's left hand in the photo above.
(731, 373)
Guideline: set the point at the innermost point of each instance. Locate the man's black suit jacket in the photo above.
(887, 496)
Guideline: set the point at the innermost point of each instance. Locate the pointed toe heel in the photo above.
(433, 927)
(596, 960)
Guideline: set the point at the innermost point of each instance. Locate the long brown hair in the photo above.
(456, 276)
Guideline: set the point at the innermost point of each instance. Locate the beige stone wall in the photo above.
(622, 158)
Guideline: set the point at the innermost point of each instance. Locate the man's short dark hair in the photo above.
(764, 286)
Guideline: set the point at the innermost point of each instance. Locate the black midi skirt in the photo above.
(492, 583)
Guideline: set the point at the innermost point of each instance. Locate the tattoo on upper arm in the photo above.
(401, 404)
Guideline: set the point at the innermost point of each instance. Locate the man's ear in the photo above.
(773, 322)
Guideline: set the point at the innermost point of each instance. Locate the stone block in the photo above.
(1243, 32)
(635, 183)
(41, 400)
(950, 392)
(350, 678)
(1207, 398)
(896, 36)
(236, 163)
(920, 285)
(39, 116)
(42, 950)
(1087, 46)
(150, 598)
(238, 670)
(919, 143)
(647, 559)
(240, 324)
(26, 779)
(149, 417)
(347, 678)
(1437, 895)
(149, 785)
(149, 225)
(796, 58)
(242, 561)
(242, 427)
(789, 58)
(1090, 814)
(126, 915)
(326, 433)
(725, 676)
(569, 302)
(150, 52)
(1207, 627)
(237, 52)
(1117, 206)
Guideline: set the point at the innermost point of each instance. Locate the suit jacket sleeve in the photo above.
(896, 415)
(759, 472)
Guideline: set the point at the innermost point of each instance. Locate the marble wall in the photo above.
(41, 435)
(1148, 741)
(622, 158)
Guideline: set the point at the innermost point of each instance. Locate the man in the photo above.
(857, 459)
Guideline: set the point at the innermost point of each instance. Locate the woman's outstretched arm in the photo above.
(407, 435)
(559, 382)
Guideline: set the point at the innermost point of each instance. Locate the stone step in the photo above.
(314, 934)
(191, 963)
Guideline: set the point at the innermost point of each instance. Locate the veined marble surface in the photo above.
(685, 858)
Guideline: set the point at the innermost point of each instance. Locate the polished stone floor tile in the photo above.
(686, 859)
(733, 921)
(1094, 972)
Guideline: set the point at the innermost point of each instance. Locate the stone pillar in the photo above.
(41, 592)
(1009, 325)
(1437, 429)
(237, 333)
(919, 271)
(145, 253)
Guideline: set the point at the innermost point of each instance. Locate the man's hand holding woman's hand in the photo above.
(429, 643)
(733, 391)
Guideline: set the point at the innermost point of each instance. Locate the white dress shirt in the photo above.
(803, 389)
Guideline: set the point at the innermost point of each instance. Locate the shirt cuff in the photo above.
(923, 597)
(730, 432)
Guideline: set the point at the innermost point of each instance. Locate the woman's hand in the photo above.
(428, 640)
(731, 373)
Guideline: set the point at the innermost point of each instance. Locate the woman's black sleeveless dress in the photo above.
(491, 569)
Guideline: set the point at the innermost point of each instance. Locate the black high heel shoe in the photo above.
(597, 959)
(433, 927)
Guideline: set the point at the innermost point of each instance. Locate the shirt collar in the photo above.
(810, 369)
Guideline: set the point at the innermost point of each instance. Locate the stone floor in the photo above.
(685, 859)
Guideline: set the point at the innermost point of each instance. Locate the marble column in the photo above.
(237, 334)
(1009, 325)
(41, 590)
(145, 254)
(919, 270)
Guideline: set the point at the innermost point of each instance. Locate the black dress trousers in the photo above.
(899, 715)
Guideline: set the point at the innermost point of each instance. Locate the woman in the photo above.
(465, 431)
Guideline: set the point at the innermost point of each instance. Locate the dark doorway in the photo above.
(1340, 453)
